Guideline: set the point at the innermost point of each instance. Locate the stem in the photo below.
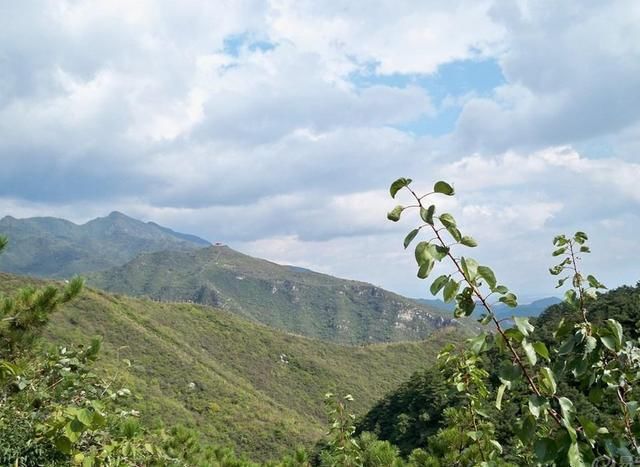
(499, 328)
(627, 418)
(574, 262)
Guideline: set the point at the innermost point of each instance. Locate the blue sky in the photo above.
(277, 126)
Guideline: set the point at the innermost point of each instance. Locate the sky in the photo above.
(277, 126)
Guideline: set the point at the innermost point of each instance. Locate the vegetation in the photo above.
(592, 358)
(241, 384)
(291, 299)
(51, 247)
(557, 390)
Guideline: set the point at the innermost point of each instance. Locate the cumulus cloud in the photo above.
(241, 121)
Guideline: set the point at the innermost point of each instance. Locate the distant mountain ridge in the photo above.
(502, 311)
(53, 247)
(288, 298)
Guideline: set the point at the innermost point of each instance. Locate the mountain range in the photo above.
(53, 247)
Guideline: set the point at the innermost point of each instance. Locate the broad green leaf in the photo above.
(410, 236)
(561, 282)
(450, 290)
(575, 457)
(616, 330)
(398, 185)
(470, 267)
(595, 283)
(440, 252)
(545, 449)
(468, 241)
(478, 343)
(541, 349)
(501, 289)
(609, 342)
(425, 268)
(500, 395)
(447, 220)
(559, 240)
(567, 407)
(85, 416)
(527, 429)
(580, 237)
(497, 445)
(585, 249)
(422, 252)
(559, 251)
(395, 213)
(427, 214)
(444, 188)
(63, 444)
(529, 352)
(487, 274)
(548, 381)
(454, 232)
(523, 325)
(536, 405)
(509, 374)
(439, 284)
(509, 299)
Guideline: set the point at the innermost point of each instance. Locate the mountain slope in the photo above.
(51, 247)
(240, 383)
(292, 299)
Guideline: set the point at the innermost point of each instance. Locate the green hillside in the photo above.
(52, 247)
(284, 297)
(239, 383)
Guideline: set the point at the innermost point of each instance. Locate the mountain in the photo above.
(501, 310)
(239, 383)
(52, 247)
(287, 298)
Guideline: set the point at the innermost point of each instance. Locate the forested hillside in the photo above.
(240, 384)
(287, 298)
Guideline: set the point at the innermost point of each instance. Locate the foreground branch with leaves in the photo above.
(595, 358)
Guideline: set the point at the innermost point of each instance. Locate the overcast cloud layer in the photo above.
(277, 126)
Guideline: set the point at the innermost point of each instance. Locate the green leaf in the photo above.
(478, 343)
(509, 374)
(545, 449)
(450, 290)
(561, 282)
(487, 274)
(438, 284)
(548, 381)
(559, 251)
(410, 236)
(527, 429)
(3, 242)
(580, 237)
(63, 444)
(85, 417)
(470, 268)
(395, 213)
(523, 325)
(509, 299)
(447, 220)
(444, 188)
(454, 232)
(468, 241)
(536, 405)
(585, 249)
(609, 342)
(595, 283)
(501, 289)
(500, 395)
(425, 268)
(398, 185)
(427, 214)
(616, 330)
(529, 352)
(575, 457)
(541, 349)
